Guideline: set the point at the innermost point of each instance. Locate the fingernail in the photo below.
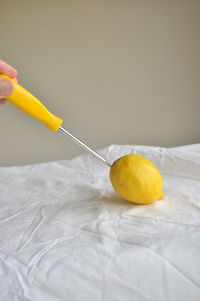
(6, 87)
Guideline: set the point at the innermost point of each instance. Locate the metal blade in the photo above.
(83, 145)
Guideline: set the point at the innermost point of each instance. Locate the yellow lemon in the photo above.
(136, 179)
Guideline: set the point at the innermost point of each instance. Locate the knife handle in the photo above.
(31, 105)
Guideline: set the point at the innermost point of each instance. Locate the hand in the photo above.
(6, 86)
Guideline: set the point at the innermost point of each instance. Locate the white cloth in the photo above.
(66, 235)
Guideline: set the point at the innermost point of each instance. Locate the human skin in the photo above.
(6, 86)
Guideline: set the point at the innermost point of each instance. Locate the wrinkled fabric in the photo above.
(66, 235)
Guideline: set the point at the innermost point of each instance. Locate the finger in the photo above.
(7, 69)
(6, 87)
(2, 100)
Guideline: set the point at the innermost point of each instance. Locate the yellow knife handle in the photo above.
(31, 105)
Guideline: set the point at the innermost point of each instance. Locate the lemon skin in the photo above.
(136, 179)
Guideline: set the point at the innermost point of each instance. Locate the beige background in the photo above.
(117, 72)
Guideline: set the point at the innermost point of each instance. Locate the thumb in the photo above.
(6, 87)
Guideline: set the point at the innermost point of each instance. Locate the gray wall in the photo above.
(117, 72)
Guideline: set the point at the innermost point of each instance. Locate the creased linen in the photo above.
(66, 235)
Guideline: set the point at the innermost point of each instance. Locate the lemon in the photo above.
(136, 179)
